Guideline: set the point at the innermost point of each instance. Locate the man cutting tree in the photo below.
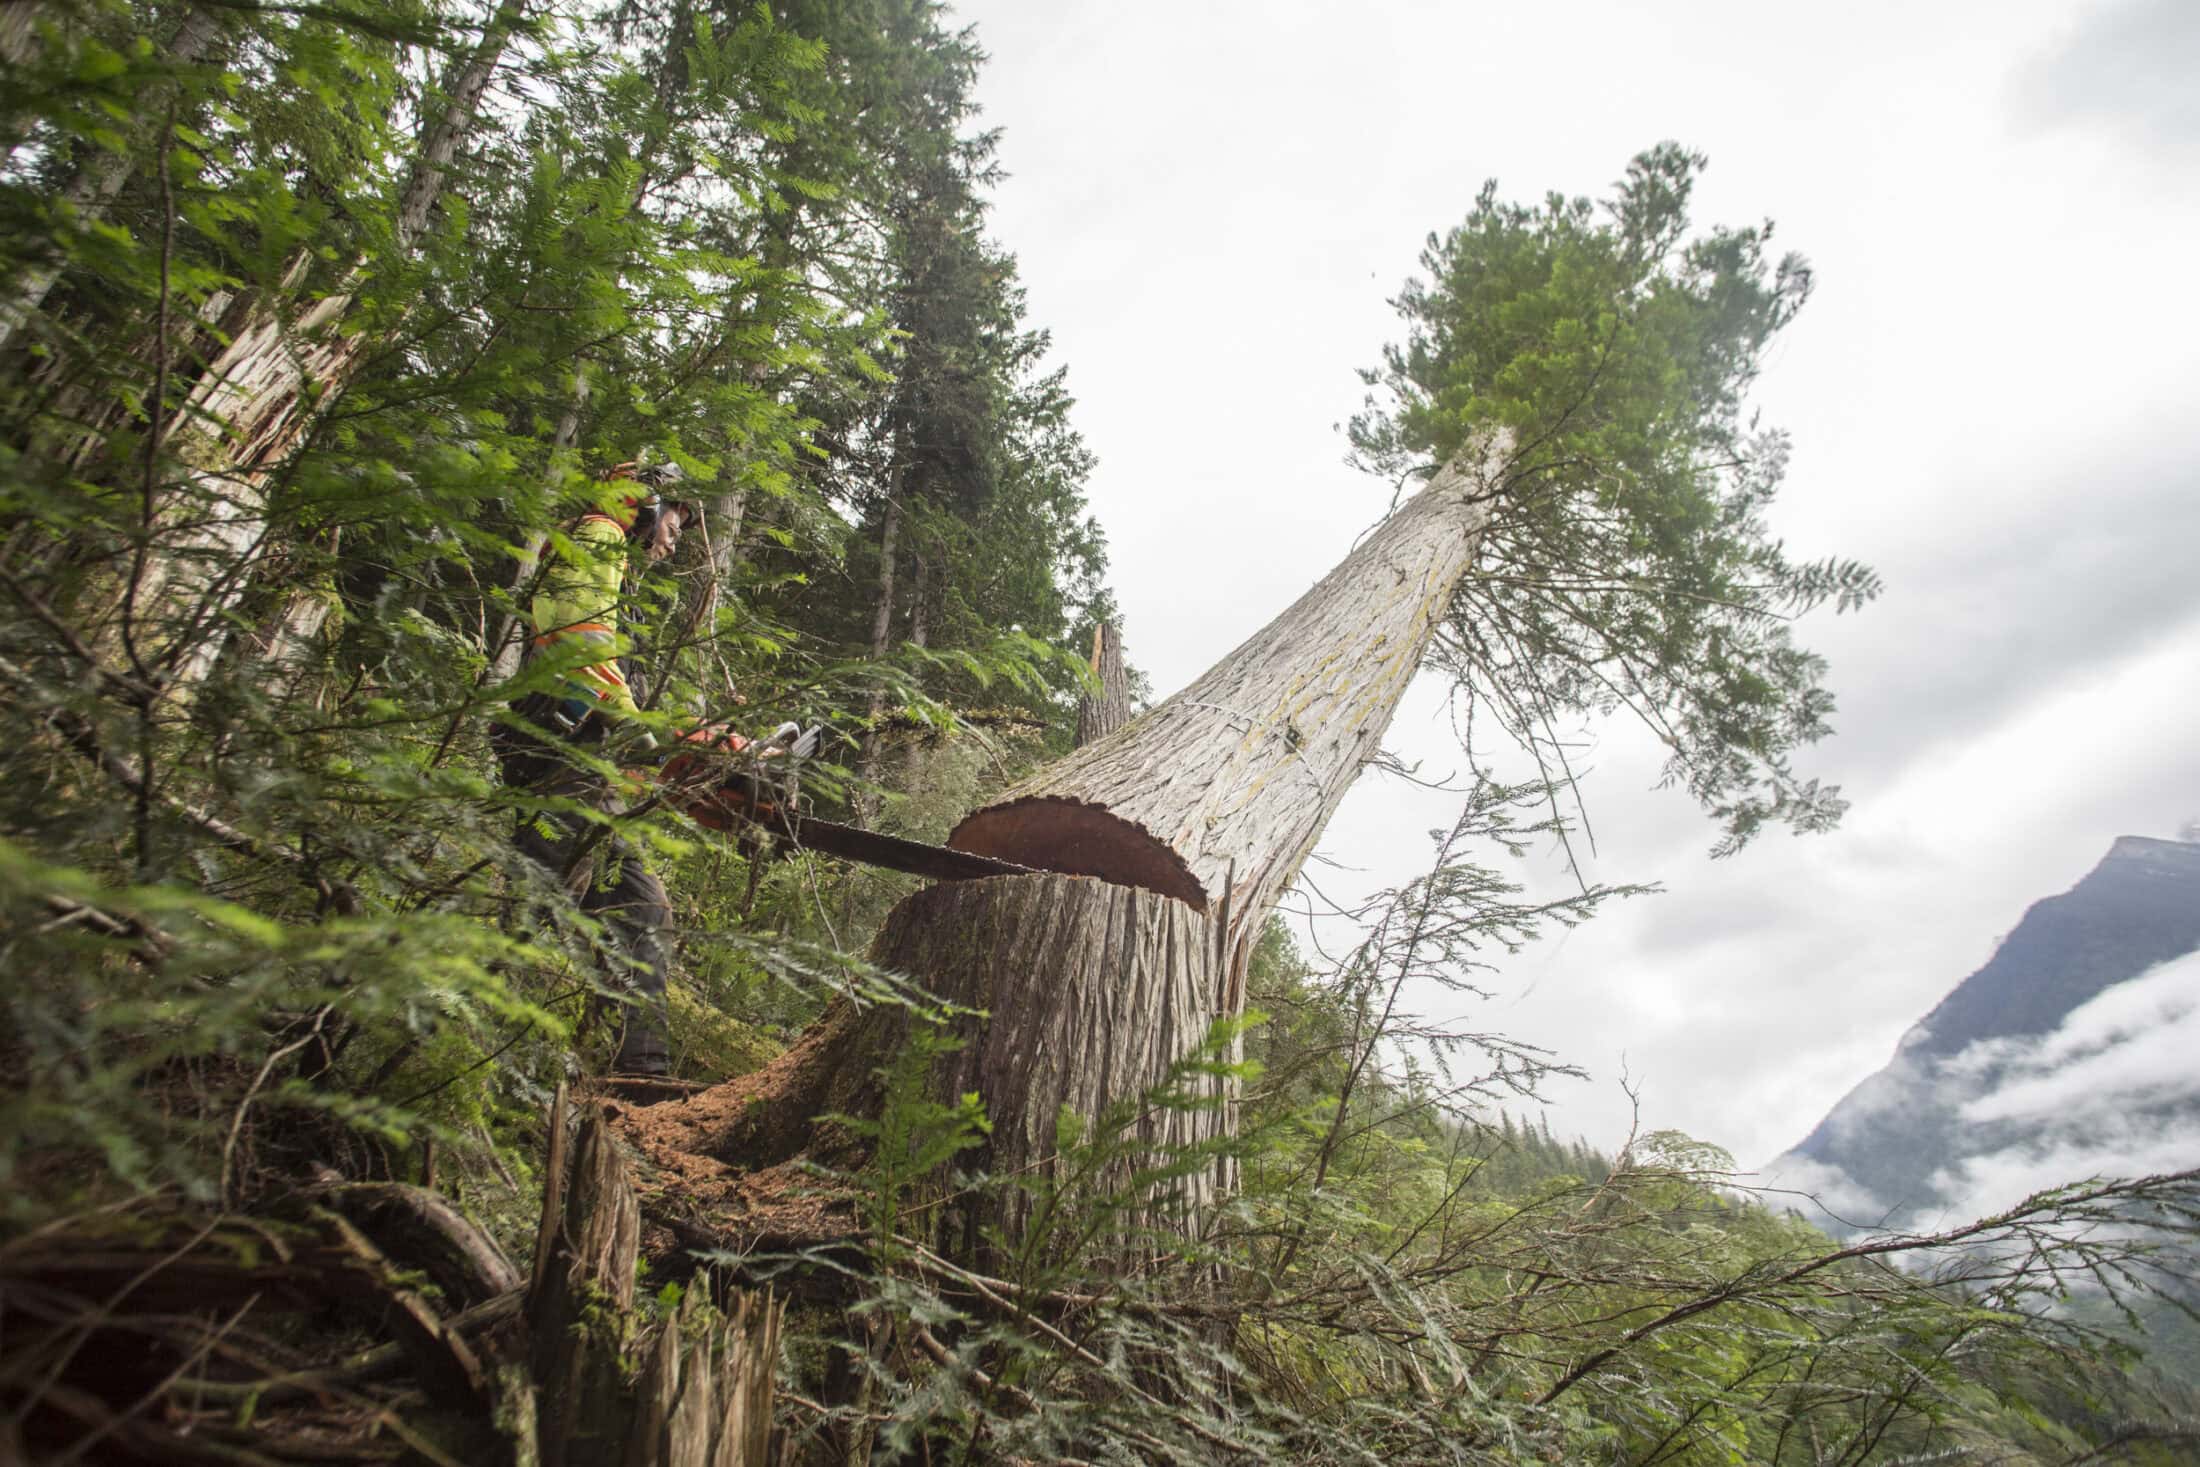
(575, 618)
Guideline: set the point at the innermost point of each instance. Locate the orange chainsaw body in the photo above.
(699, 782)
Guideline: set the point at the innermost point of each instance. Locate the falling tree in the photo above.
(1590, 537)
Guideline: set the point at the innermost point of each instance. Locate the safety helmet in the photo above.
(637, 513)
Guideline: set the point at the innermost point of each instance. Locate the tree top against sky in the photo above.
(1629, 563)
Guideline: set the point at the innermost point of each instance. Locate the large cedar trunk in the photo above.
(1218, 796)
(1173, 836)
(1074, 995)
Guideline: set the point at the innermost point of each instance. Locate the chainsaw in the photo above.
(727, 782)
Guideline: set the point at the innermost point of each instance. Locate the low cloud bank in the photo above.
(2112, 1092)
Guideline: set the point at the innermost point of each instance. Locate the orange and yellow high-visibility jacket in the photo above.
(578, 603)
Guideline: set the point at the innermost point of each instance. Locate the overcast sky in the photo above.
(1992, 395)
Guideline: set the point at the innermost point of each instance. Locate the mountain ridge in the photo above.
(1899, 1142)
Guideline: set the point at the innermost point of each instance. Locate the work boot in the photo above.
(642, 1050)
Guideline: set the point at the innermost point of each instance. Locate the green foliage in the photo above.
(914, 1135)
(253, 770)
(1628, 561)
(1457, 1288)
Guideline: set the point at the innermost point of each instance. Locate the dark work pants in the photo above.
(610, 882)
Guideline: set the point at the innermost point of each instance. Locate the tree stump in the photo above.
(1088, 995)
(704, 1394)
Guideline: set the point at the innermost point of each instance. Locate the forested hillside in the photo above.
(346, 349)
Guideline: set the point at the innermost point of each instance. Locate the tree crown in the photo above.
(1628, 561)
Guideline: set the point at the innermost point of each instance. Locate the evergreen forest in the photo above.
(328, 328)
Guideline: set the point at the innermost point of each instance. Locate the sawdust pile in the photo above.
(742, 1163)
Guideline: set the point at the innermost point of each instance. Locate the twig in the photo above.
(101, 1313)
(154, 945)
(236, 1122)
(205, 1347)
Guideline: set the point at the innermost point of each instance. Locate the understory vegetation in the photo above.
(319, 326)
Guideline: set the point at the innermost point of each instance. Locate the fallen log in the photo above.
(423, 1227)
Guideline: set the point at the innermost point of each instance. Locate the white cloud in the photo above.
(1813, 1187)
(1998, 1180)
(2113, 1092)
(2134, 1026)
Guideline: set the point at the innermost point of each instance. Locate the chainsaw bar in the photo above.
(870, 848)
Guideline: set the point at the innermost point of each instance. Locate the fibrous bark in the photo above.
(1165, 846)
(1218, 796)
(586, 1253)
(705, 1395)
(1108, 707)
